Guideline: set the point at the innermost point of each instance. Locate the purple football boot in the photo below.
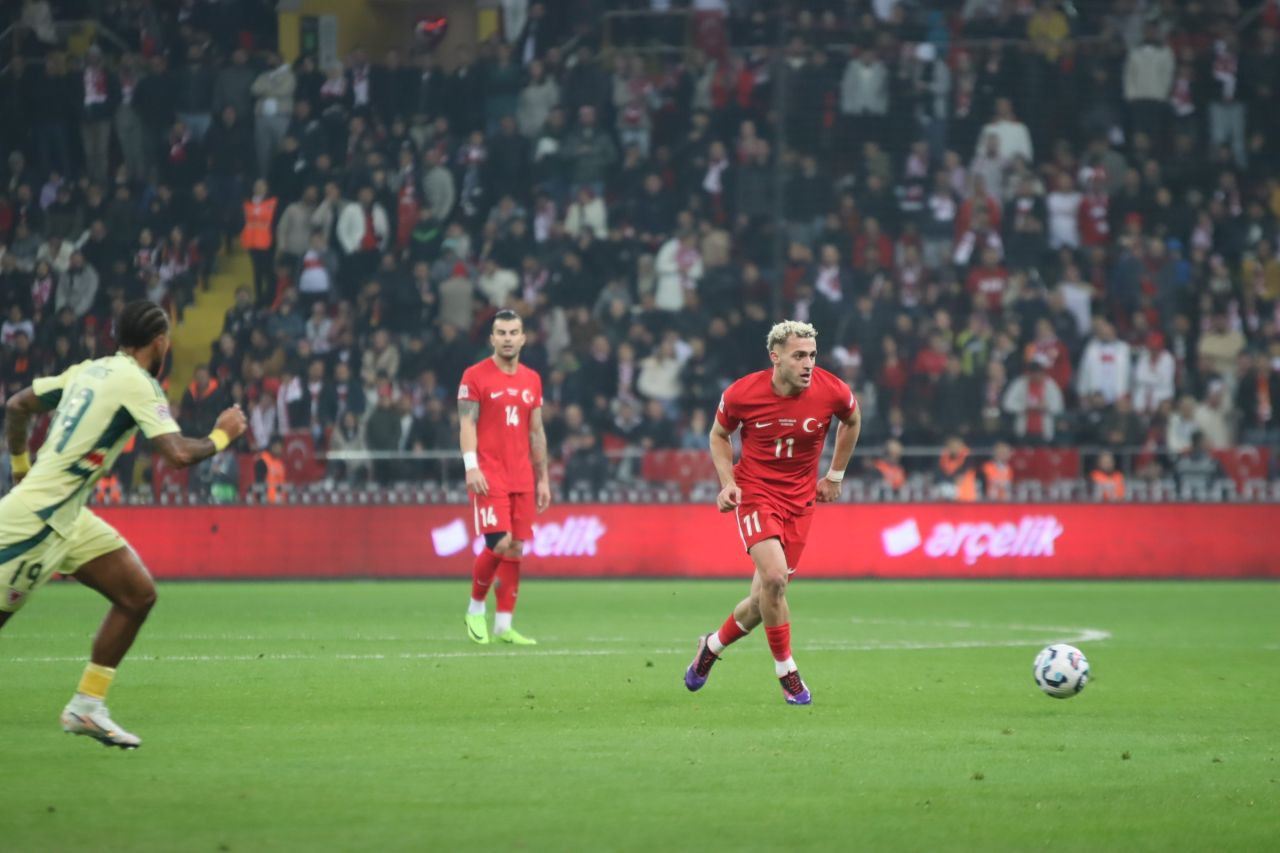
(794, 689)
(700, 670)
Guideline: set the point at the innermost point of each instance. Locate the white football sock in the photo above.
(713, 643)
(782, 667)
(83, 704)
(475, 608)
(501, 622)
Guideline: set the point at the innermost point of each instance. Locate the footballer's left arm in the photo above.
(846, 440)
(538, 455)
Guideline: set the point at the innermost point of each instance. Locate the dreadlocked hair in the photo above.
(141, 323)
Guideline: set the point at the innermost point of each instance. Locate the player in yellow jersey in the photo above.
(44, 525)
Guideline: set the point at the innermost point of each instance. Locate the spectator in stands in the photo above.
(1035, 401)
(294, 228)
(1105, 366)
(317, 275)
(363, 232)
(77, 287)
(263, 420)
(584, 461)
(1153, 376)
(193, 85)
(1226, 108)
(497, 285)
(587, 152)
(274, 92)
(679, 268)
(16, 324)
(1148, 82)
(99, 93)
(1220, 347)
(1197, 468)
(1013, 136)
(659, 374)
(202, 401)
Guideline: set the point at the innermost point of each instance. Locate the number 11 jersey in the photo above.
(782, 437)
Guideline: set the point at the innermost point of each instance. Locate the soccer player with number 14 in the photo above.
(784, 414)
(504, 451)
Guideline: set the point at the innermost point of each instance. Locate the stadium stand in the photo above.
(1052, 225)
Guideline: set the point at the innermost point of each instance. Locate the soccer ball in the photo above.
(1061, 670)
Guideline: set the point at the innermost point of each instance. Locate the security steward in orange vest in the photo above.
(269, 469)
(997, 474)
(954, 468)
(892, 474)
(1108, 483)
(108, 490)
(258, 237)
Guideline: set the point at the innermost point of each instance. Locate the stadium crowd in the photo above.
(1013, 223)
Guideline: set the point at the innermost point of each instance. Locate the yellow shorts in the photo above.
(31, 551)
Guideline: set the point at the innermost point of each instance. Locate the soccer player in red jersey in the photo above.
(784, 414)
(504, 450)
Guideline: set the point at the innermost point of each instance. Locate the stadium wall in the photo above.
(619, 540)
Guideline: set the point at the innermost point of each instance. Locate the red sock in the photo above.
(779, 640)
(508, 585)
(730, 631)
(482, 571)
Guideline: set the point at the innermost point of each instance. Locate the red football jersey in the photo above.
(502, 430)
(782, 437)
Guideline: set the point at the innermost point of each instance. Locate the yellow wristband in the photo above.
(20, 463)
(220, 440)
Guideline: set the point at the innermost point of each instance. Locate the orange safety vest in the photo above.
(999, 478)
(1111, 486)
(257, 223)
(275, 477)
(208, 391)
(108, 489)
(951, 463)
(894, 476)
(966, 479)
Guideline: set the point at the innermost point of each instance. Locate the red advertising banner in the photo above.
(617, 540)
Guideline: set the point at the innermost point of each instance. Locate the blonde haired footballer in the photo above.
(44, 525)
(784, 413)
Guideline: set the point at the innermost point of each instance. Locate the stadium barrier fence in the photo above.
(928, 540)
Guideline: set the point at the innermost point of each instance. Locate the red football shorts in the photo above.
(504, 513)
(759, 520)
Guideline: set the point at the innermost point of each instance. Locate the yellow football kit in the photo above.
(44, 525)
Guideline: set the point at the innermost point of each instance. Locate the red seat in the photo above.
(164, 478)
(683, 468)
(1045, 464)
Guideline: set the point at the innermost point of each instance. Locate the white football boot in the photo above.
(80, 718)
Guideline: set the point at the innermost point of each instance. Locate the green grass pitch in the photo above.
(356, 716)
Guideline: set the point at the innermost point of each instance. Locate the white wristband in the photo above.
(470, 461)
(835, 476)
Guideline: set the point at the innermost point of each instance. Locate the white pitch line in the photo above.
(1048, 634)
(356, 657)
(1081, 635)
